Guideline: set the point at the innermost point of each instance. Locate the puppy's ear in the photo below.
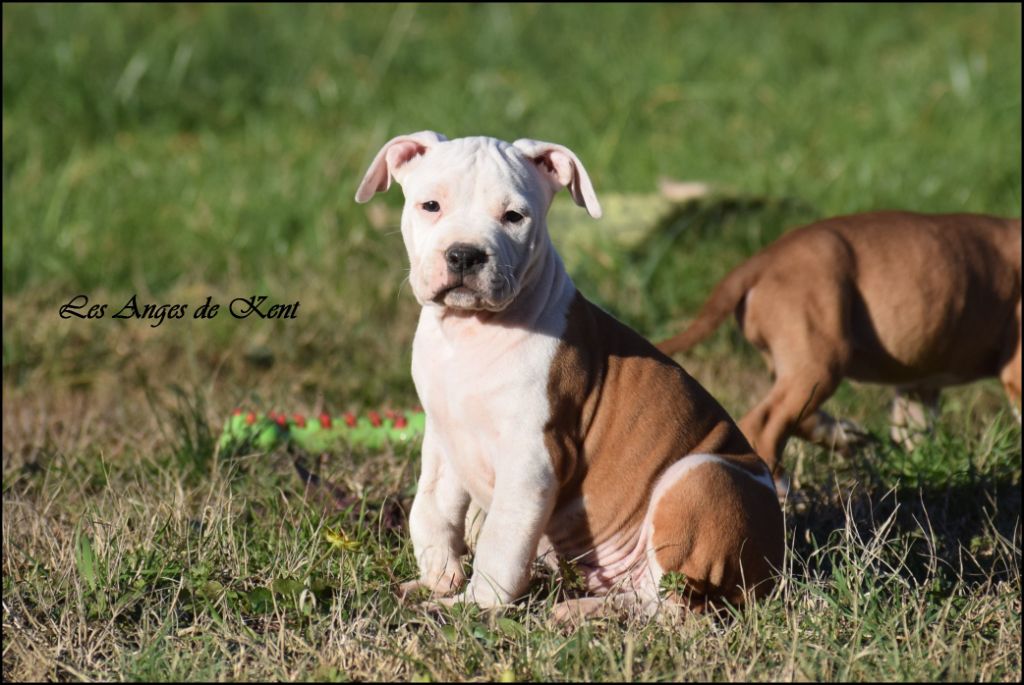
(391, 157)
(562, 168)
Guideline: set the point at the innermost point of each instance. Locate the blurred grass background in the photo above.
(179, 151)
(176, 151)
(156, 143)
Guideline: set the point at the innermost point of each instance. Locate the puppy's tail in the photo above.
(724, 299)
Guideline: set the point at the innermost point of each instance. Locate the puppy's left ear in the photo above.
(390, 159)
(562, 168)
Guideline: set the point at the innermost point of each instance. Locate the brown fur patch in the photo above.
(621, 413)
(722, 531)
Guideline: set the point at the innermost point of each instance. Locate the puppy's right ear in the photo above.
(391, 157)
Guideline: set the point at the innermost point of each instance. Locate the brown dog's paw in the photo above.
(850, 436)
(909, 438)
(790, 495)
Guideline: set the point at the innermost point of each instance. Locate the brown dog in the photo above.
(913, 300)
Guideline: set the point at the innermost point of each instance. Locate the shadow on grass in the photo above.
(962, 534)
(670, 273)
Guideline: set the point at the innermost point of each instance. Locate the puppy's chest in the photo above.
(486, 399)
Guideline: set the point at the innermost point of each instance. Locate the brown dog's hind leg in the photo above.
(805, 332)
(1011, 371)
(768, 425)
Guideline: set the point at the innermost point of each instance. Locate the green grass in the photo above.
(180, 152)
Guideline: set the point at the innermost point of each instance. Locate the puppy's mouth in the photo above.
(461, 295)
(458, 291)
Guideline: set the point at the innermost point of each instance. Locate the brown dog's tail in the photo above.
(724, 298)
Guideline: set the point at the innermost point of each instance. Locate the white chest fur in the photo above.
(484, 386)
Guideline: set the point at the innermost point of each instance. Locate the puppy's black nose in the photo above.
(465, 259)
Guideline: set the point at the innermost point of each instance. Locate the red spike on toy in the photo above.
(282, 420)
(401, 422)
(325, 421)
(250, 418)
(350, 419)
(374, 418)
(300, 420)
(237, 411)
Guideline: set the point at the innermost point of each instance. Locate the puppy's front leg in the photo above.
(524, 496)
(437, 523)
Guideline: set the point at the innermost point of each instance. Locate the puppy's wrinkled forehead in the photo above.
(479, 168)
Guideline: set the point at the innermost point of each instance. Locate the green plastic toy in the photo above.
(267, 431)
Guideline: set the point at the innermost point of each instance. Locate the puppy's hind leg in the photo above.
(718, 529)
(616, 606)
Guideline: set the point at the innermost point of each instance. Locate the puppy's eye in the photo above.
(431, 206)
(513, 217)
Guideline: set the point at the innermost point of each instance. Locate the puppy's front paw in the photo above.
(447, 602)
(485, 598)
(443, 584)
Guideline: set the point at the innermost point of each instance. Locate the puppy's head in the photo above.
(475, 211)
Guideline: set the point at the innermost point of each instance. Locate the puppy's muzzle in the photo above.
(464, 259)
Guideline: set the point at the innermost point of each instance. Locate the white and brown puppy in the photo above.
(580, 441)
(914, 300)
